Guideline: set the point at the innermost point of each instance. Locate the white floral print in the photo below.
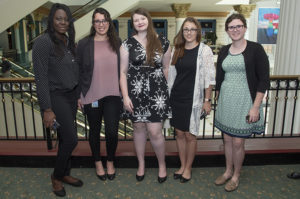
(147, 86)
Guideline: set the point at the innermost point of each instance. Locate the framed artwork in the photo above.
(267, 28)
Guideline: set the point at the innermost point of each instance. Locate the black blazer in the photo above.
(257, 68)
(85, 60)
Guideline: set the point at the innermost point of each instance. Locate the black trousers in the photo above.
(109, 108)
(64, 105)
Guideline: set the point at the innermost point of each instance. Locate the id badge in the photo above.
(95, 104)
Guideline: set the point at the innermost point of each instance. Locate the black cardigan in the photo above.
(257, 68)
(85, 59)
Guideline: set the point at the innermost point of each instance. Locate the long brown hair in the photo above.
(179, 40)
(113, 39)
(153, 43)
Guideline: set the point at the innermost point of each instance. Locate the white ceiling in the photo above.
(165, 5)
(196, 5)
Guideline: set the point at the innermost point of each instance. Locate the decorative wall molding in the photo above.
(191, 14)
(244, 9)
(180, 10)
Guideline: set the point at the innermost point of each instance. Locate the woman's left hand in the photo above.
(79, 104)
(206, 107)
(253, 114)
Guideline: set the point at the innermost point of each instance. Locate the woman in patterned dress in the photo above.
(144, 65)
(192, 72)
(241, 82)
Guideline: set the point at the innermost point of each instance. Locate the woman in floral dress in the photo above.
(144, 64)
(241, 82)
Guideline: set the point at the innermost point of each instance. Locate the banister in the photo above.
(31, 79)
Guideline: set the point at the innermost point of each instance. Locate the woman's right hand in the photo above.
(128, 104)
(48, 118)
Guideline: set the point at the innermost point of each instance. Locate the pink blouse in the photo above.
(105, 80)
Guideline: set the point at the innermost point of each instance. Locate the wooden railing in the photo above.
(20, 118)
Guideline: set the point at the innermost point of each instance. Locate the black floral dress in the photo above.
(147, 85)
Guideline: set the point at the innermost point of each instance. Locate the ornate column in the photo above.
(287, 62)
(38, 22)
(180, 13)
(17, 38)
(246, 10)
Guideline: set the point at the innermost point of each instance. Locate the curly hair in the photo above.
(113, 39)
(71, 30)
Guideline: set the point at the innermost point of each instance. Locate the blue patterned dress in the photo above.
(147, 85)
(235, 101)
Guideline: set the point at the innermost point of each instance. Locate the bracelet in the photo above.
(207, 100)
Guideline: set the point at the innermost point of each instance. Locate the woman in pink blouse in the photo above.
(98, 59)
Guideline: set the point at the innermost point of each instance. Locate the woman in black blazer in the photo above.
(98, 59)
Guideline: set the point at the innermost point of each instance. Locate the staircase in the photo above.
(13, 10)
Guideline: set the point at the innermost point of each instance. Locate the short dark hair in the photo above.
(235, 16)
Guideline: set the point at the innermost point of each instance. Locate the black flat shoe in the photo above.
(184, 180)
(161, 180)
(57, 187)
(111, 176)
(60, 193)
(294, 175)
(177, 176)
(139, 178)
(102, 177)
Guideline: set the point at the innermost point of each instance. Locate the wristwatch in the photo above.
(207, 100)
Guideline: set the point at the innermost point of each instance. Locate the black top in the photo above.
(183, 88)
(52, 72)
(137, 53)
(257, 68)
(85, 60)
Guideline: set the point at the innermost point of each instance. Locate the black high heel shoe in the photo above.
(102, 177)
(161, 180)
(111, 176)
(139, 178)
(184, 180)
(177, 176)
